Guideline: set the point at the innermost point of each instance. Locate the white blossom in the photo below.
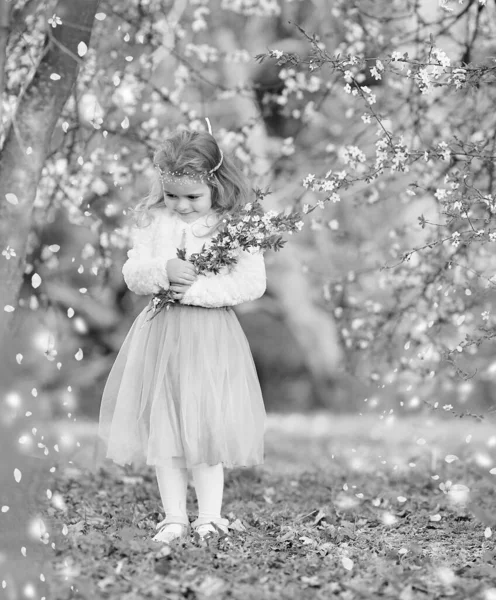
(8, 253)
(55, 20)
(308, 180)
(375, 73)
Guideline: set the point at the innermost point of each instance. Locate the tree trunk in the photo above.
(4, 35)
(28, 140)
(313, 327)
(21, 161)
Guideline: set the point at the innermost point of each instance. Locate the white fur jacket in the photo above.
(145, 270)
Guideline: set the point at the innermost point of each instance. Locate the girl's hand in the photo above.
(178, 290)
(181, 271)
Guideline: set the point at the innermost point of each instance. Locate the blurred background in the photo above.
(335, 328)
(382, 303)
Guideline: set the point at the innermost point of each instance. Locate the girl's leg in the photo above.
(209, 487)
(173, 486)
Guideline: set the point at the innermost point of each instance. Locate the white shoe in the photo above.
(208, 529)
(168, 532)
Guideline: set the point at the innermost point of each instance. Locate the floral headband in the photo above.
(175, 176)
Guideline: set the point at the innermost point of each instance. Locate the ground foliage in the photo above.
(348, 507)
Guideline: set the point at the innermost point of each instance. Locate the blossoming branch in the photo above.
(251, 230)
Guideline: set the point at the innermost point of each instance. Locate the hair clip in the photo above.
(218, 164)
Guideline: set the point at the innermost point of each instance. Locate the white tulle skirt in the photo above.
(183, 391)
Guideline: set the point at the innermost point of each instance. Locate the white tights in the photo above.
(209, 487)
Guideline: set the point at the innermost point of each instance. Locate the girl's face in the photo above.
(188, 198)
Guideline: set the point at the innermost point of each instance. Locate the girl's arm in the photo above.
(143, 273)
(247, 281)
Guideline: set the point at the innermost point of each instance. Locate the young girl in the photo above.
(183, 392)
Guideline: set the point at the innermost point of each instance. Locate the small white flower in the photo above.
(308, 180)
(328, 185)
(441, 57)
(375, 73)
(348, 76)
(8, 253)
(54, 20)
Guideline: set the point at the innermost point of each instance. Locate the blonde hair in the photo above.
(195, 153)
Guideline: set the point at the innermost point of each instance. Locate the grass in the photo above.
(345, 507)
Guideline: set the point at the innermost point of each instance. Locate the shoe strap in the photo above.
(208, 521)
(169, 520)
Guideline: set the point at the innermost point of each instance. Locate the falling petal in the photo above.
(445, 575)
(79, 354)
(483, 459)
(36, 280)
(451, 458)
(459, 493)
(11, 199)
(347, 563)
(82, 48)
(435, 517)
(17, 475)
(487, 532)
(388, 519)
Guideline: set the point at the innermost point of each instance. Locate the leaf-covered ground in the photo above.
(345, 507)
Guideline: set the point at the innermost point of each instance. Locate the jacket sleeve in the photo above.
(143, 273)
(247, 281)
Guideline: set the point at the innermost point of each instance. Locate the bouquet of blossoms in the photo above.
(250, 228)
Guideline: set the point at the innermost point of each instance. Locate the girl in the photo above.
(183, 392)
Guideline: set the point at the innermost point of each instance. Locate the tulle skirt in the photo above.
(183, 392)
